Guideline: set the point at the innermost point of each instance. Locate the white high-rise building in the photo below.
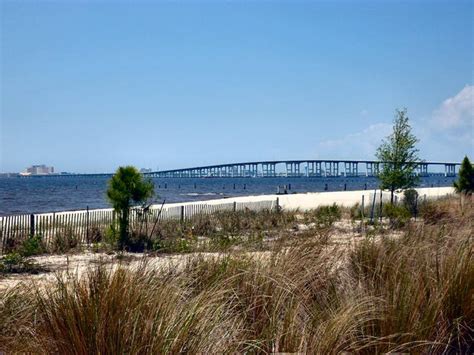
(39, 170)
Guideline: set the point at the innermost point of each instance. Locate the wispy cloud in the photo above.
(451, 129)
(358, 145)
(446, 134)
(456, 111)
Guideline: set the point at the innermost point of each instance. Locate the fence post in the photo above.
(416, 206)
(373, 208)
(235, 206)
(182, 214)
(32, 225)
(381, 193)
(278, 204)
(362, 208)
(87, 224)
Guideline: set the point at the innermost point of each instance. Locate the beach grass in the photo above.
(404, 292)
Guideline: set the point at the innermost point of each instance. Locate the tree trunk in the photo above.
(123, 237)
(391, 195)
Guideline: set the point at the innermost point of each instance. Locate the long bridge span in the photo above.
(289, 168)
(299, 168)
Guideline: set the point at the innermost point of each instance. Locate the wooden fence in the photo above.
(85, 224)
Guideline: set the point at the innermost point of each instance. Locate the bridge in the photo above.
(298, 168)
(287, 168)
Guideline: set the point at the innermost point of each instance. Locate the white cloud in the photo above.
(451, 128)
(446, 134)
(456, 111)
(358, 145)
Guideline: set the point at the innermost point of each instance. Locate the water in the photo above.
(49, 194)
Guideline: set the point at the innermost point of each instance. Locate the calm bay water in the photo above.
(49, 194)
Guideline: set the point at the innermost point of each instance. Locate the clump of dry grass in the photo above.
(412, 293)
(125, 311)
(17, 320)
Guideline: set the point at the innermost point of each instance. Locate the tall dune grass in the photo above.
(412, 293)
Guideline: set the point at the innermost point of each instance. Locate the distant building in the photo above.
(38, 170)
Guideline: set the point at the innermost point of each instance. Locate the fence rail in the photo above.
(84, 224)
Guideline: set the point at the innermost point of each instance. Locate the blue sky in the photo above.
(88, 86)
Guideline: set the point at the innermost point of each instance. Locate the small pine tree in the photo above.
(465, 182)
(399, 156)
(127, 187)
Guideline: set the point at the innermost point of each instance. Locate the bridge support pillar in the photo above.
(422, 169)
(292, 169)
(268, 169)
(319, 169)
(253, 170)
(351, 168)
(449, 170)
(331, 168)
(241, 170)
(369, 169)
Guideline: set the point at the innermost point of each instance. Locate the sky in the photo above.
(87, 86)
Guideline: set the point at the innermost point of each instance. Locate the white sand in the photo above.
(305, 201)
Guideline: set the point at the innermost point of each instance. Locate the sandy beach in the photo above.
(307, 201)
(300, 201)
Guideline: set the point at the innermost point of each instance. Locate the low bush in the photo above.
(64, 242)
(111, 235)
(410, 201)
(398, 215)
(33, 245)
(323, 216)
(15, 263)
(181, 245)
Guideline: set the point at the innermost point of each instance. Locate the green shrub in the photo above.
(180, 245)
(323, 216)
(137, 243)
(16, 263)
(111, 235)
(33, 245)
(398, 215)
(410, 201)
